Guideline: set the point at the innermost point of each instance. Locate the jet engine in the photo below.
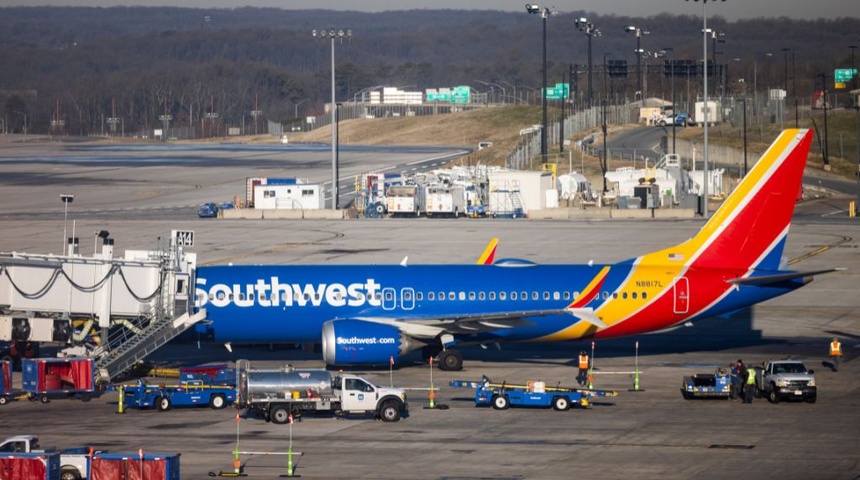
(359, 342)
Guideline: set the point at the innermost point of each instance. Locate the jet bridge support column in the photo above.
(106, 291)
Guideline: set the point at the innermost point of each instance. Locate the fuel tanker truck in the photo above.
(276, 394)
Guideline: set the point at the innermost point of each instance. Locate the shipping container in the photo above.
(149, 466)
(30, 466)
(5, 381)
(42, 378)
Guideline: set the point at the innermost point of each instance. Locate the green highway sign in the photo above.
(461, 94)
(841, 76)
(559, 92)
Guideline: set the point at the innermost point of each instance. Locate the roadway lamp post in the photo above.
(639, 32)
(256, 112)
(588, 28)
(706, 106)
(24, 127)
(333, 34)
(824, 151)
(66, 198)
(672, 81)
(544, 12)
(853, 72)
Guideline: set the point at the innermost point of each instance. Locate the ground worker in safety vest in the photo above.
(835, 354)
(749, 385)
(582, 378)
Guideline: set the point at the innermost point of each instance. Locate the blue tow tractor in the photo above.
(707, 385)
(191, 393)
(536, 394)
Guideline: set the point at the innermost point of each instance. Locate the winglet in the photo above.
(489, 254)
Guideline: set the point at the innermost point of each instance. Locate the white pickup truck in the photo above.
(74, 462)
(786, 379)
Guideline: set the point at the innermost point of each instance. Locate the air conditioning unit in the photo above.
(35, 329)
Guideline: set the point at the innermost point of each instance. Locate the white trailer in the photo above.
(289, 197)
(445, 200)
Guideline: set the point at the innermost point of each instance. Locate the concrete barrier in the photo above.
(562, 214)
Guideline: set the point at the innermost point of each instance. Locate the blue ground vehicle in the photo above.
(502, 395)
(208, 210)
(191, 393)
(707, 385)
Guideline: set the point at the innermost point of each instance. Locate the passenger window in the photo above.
(565, 295)
(471, 295)
(462, 296)
(513, 295)
(419, 296)
(644, 295)
(492, 295)
(482, 295)
(431, 296)
(502, 295)
(452, 296)
(634, 295)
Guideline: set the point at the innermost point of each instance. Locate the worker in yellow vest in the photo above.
(749, 385)
(835, 354)
(582, 378)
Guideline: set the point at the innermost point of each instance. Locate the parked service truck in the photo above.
(275, 394)
(786, 379)
(405, 200)
(444, 200)
(74, 462)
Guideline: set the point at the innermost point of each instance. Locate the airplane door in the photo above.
(407, 299)
(682, 295)
(389, 299)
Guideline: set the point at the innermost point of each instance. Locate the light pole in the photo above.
(66, 198)
(332, 34)
(24, 128)
(824, 151)
(706, 107)
(256, 112)
(672, 74)
(544, 12)
(588, 28)
(639, 32)
(853, 70)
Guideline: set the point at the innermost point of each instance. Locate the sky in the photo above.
(729, 9)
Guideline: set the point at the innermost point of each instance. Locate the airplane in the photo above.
(376, 314)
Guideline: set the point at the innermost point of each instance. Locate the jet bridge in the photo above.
(114, 310)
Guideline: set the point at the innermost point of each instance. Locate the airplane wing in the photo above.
(765, 280)
(480, 322)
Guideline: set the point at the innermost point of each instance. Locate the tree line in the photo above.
(85, 71)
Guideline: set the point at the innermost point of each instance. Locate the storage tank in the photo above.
(283, 383)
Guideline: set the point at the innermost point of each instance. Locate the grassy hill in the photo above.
(501, 125)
